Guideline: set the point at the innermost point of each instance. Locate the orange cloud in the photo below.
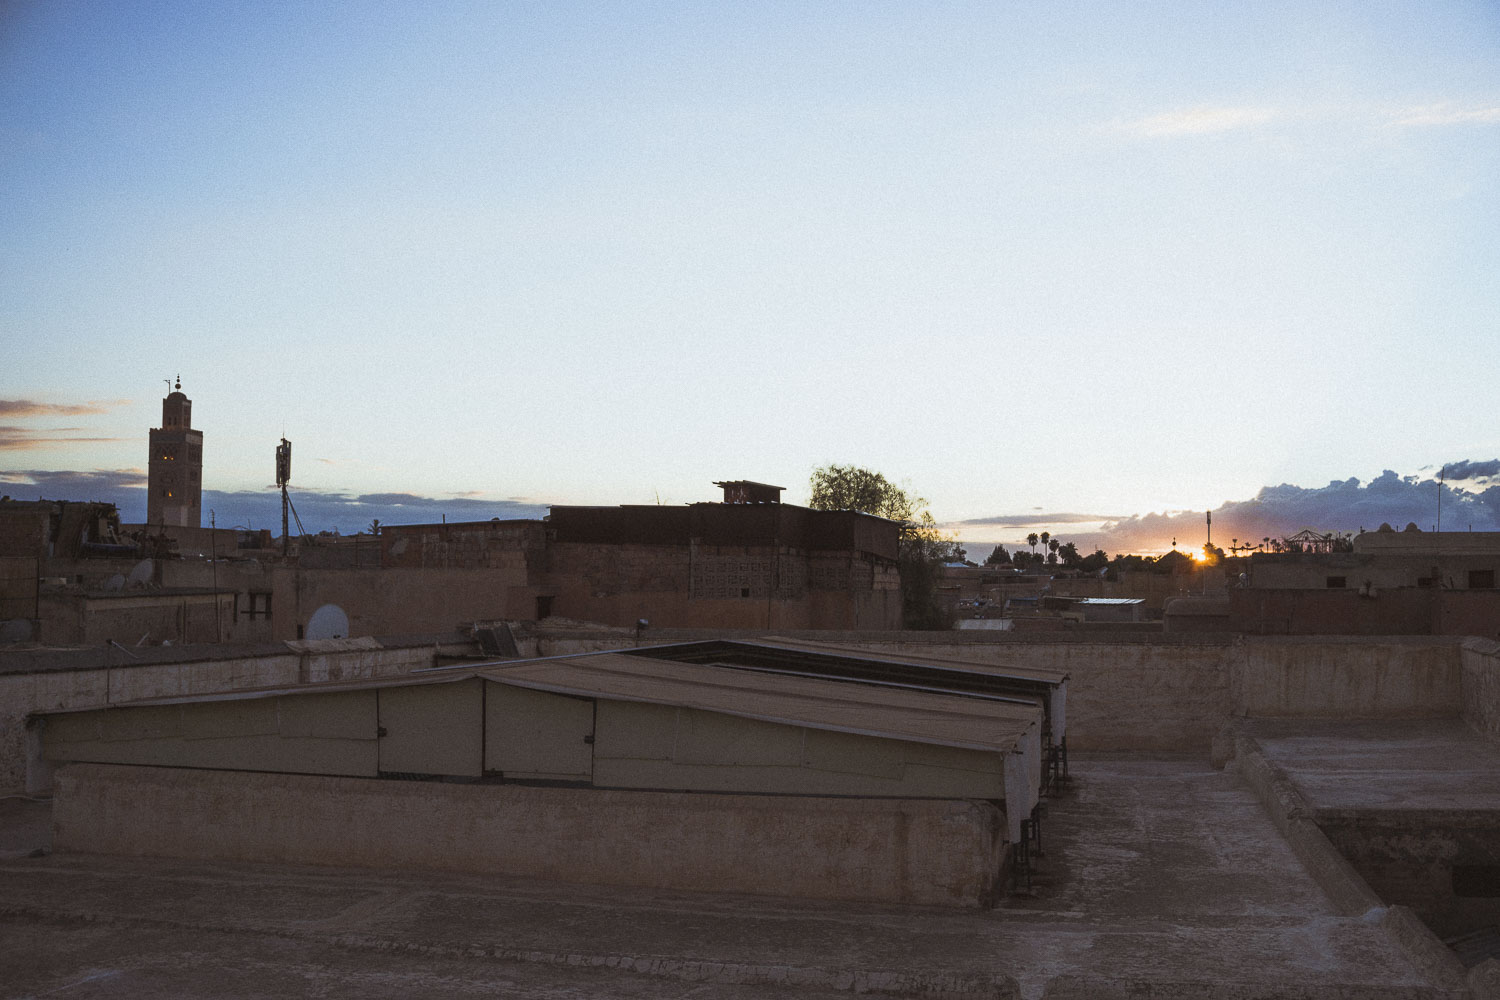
(26, 439)
(29, 408)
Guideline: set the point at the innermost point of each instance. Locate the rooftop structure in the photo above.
(745, 491)
(637, 721)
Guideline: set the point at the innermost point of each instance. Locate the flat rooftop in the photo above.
(1424, 765)
(1162, 877)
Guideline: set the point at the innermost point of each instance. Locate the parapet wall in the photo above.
(1121, 695)
(1129, 692)
(934, 852)
(1481, 686)
(1173, 696)
(1392, 677)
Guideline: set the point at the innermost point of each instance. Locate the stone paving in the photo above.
(1162, 878)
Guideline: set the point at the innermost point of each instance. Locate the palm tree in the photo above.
(1031, 540)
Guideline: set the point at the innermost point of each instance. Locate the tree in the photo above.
(1031, 540)
(1131, 561)
(848, 487)
(1069, 555)
(1046, 539)
(921, 549)
(997, 557)
(1095, 562)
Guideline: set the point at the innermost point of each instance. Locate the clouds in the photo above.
(100, 484)
(27, 408)
(1459, 471)
(354, 513)
(1342, 505)
(319, 511)
(1211, 119)
(14, 437)
(1444, 114)
(26, 439)
(1032, 520)
(1199, 121)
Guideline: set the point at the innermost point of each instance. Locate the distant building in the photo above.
(175, 469)
(750, 562)
(755, 564)
(1386, 559)
(1408, 582)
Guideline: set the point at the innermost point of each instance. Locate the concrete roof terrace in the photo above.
(1419, 766)
(1162, 878)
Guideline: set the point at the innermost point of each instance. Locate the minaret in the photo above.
(175, 497)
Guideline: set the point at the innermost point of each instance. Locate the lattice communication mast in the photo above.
(284, 476)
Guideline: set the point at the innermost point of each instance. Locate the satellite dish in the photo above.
(140, 573)
(114, 583)
(328, 622)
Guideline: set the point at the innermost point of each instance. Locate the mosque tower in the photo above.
(175, 471)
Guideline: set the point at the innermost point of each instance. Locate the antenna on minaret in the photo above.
(169, 384)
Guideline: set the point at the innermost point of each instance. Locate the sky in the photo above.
(1080, 264)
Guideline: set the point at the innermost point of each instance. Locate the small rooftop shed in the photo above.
(542, 766)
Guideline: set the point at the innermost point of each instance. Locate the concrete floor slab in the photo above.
(1427, 765)
(1161, 878)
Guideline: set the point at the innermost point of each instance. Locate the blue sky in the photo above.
(1095, 258)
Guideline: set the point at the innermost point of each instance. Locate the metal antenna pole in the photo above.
(283, 476)
(213, 551)
(1439, 526)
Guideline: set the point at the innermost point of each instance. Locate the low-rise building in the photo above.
(1408, 582)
